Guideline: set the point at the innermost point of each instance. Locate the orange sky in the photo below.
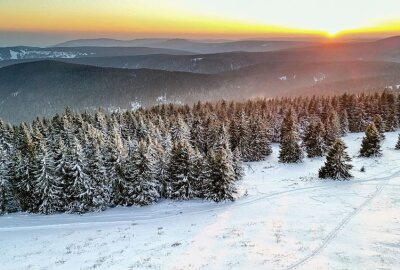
(199, 18)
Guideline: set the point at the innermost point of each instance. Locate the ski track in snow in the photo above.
(342, 224)
(289, 220)
(216, 208)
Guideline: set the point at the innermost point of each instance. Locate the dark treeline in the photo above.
(80, 162)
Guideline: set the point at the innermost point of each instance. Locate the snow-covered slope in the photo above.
(25, 53)
(289, 219)
(37, 53)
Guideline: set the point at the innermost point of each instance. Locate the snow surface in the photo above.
(15, 94)
(319, 77)
(286, 77)
(162, 99)
(289, 219)
(135, 105)
(13, 54)
(30, 54)
(196, 59)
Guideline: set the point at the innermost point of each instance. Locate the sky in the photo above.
(43, 22)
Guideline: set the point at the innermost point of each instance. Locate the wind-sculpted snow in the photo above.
(284, 218)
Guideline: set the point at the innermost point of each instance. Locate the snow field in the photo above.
(285, 218)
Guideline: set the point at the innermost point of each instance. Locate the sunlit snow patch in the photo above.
(196, 59)
(135, 105)
(319, 77)
(29, 54)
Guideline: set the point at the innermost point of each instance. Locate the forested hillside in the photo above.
(79, 162)
(48, 86)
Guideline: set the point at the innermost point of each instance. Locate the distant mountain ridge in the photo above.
(48, 87)
(108, 42)
(201, 47)
(381, 50)
(128, 77)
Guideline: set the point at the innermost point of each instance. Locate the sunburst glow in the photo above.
(201, 18)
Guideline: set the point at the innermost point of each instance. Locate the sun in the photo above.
(332, 32)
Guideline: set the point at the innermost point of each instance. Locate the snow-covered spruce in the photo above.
(337, 164)
(397, 146)
(180, 171)
(371, 143)
(140, 186)
(8, 202)
(332, 128)
(380, 126)
(313, 139)
(221, 176)
(290, 149)
(81, 162)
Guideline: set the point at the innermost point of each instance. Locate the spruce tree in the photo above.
(357, 116)
(380, 126)
(179, 171)
(142, 187)
(344, 122)
(290, 150)
(197, 175)
(6, 136)
(80, 188)
(237, 164)
(97, 173)
(371, 143)
(21, 169)
(47, 186)
(197, 132)
(392, 122)
(397, 147)
(337, 165)
(220, 184)
(59, 153)
(258, 143)
(126, 185)
(112, 152)
(239, 131)
(180, 130)
(221, 139)
(159, 162)
(332, 128)
(8, 200)
(313, 140)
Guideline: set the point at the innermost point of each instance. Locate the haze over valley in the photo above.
(86, 78)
